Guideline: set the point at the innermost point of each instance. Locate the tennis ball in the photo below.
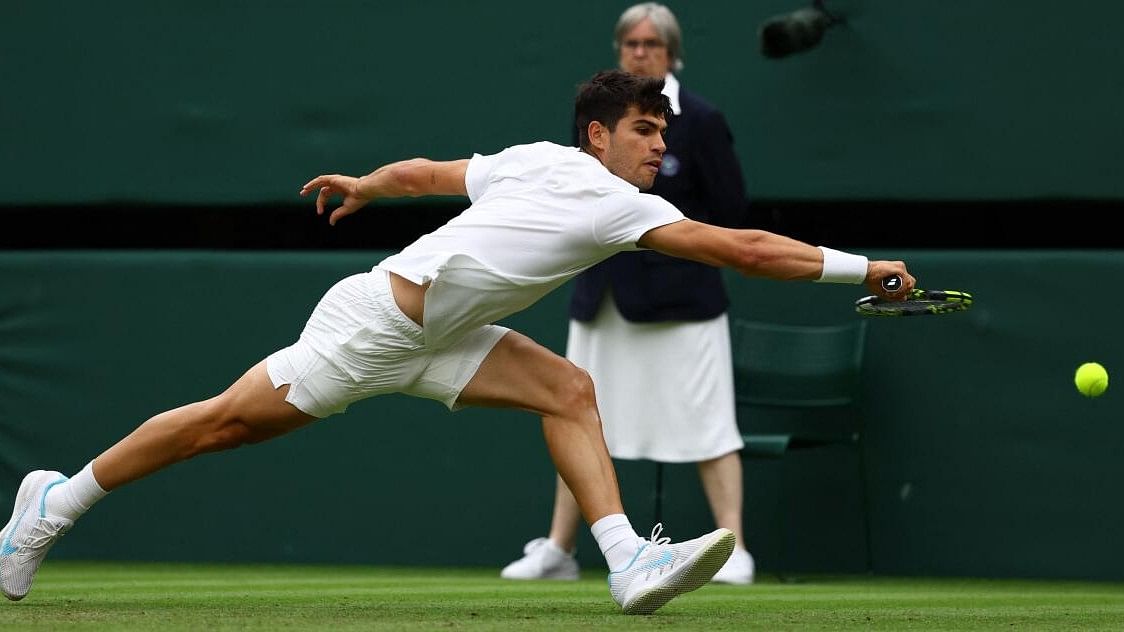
(1091, 379)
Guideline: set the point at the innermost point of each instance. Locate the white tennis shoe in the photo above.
(661, 571)
(739, 569)
(542, 559)
(30, 533)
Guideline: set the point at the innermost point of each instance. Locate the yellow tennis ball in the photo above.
(1091, 379)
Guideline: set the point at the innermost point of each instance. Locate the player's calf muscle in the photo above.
(208, 426)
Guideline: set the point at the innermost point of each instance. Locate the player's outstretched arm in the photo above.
(759, 253)
(407, 178)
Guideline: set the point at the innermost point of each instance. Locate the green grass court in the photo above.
(105, 596)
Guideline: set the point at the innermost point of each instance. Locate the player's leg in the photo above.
(255, 408)
(250, 411)
(645, 575)
(722, 483)
(48, 503)
(520, 373)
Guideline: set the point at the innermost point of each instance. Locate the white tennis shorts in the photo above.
(358, 344)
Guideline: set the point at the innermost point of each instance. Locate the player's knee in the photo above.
(576, 390)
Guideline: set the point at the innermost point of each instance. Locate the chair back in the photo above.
(797, 393)
(797, 365)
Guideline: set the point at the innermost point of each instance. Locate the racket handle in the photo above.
(892, 283)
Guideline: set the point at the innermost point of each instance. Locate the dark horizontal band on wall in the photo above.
(964, 224)
(869, 224)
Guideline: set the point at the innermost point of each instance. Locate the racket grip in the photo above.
(892, 283)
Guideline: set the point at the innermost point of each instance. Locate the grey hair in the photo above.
(662, 19)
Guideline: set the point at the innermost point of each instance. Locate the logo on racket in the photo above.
(892, 283)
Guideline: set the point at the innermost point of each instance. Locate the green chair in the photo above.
(797, 388)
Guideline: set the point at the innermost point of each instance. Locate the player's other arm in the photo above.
(406, 178)
(759, 253)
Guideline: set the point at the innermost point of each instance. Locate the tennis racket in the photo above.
(916, 303)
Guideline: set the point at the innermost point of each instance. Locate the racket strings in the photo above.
(918, 302)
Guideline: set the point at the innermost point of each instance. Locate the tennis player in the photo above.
(652, 330)
(420, 323)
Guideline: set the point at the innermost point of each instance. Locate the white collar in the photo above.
(671, 91)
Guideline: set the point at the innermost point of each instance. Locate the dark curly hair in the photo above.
(608, 95)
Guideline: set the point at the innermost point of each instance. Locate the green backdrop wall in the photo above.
(241, 102)
(983, 459)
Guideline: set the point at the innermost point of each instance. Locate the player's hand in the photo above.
(332, 185)
(878, 270)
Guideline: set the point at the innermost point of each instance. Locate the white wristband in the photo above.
(842, 267)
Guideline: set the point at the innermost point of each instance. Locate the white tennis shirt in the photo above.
(540, 214)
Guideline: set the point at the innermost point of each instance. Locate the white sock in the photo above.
(617, 539)
(74, 497)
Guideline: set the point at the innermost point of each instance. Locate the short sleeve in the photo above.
(478, 174)
(624, 218)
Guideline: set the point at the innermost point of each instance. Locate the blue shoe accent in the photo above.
(656, 563)
(633, 560)
(43, 500)
(6, 548)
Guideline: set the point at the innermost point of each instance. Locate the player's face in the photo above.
(643, 52)
(635, 148)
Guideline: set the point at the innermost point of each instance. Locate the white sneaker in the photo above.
(542, 559)
(739, 569)
(660, 571)
(28, 536)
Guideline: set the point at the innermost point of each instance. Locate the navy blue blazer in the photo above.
(701, 176)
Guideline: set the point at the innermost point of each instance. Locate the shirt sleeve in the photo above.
(624, 218)
(479, 174)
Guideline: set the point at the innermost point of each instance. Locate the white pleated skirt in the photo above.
(665, 390)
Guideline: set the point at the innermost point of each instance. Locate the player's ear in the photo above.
(598, 135)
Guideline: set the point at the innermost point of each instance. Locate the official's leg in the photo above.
(722, 483)
(552, 557)
(567, 515)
